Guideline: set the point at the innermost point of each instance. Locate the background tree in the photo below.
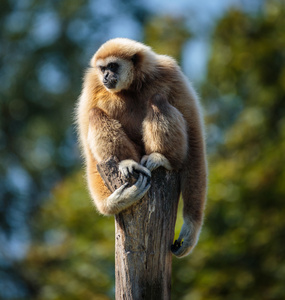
(167, 35)
(241, 250)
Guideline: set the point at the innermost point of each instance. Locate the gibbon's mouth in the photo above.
(110, 84)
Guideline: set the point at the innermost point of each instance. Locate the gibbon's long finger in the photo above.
(136, 191)
(142, 169)
(144, 160)
(128, 166)
(183, 250)
(186, 232)
(125, 171)
(128, 171)
(138, 185)
(139, 182)
(118, 192)
(156, 160)
(124, 196)
(186, 240)
(151, 165)
(142, 185)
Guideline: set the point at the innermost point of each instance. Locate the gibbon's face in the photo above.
(115, 73)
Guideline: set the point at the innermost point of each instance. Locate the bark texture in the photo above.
(144, 235)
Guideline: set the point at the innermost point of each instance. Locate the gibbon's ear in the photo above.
(136, 59)
(92, 61)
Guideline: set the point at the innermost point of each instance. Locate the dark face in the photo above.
(110, 75)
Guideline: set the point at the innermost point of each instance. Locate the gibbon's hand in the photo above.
(185, 242)
(128, 166)
(155, 160)
(125, 196)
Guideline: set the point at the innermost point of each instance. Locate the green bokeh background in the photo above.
(53, 243)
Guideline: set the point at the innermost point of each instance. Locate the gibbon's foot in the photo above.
(125, 196)
(128, 167)
(185, 242)
(155, 160)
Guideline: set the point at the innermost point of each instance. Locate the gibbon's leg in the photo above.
(106, 138)
(193, 187)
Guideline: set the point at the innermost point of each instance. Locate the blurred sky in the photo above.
(200, 15)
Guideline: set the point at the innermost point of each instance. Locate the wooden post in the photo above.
(144, 235)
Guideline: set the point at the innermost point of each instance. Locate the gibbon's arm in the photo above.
(106, 138)
(193, 186)
(164, 135)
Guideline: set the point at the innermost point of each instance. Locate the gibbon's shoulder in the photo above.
(167, 61)
(168, 69)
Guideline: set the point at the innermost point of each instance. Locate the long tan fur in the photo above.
(152, 110)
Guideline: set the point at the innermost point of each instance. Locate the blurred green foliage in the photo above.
(72, 256)
(241, 252)
(167, 35)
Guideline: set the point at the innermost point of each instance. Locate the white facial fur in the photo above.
(126, 72)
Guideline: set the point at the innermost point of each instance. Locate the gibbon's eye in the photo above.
(102, 69)
(113, 67)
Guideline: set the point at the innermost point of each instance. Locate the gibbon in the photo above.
(138, 106)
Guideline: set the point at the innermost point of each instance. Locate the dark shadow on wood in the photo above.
(144, 235)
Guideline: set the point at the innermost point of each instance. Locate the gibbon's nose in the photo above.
(106, 76)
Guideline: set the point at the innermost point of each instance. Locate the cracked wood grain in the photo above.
(144, 235)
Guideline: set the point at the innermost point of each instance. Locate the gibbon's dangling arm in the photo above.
(193, 187)
(106, 138)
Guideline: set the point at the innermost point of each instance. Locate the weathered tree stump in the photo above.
(144, 234)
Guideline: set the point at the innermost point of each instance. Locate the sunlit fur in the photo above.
(153, 108)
